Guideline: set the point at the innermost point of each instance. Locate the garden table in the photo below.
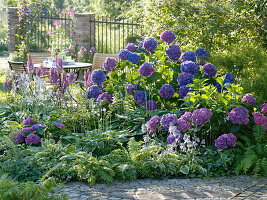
(76, 67)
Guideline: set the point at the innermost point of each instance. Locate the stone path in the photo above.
(235, 187)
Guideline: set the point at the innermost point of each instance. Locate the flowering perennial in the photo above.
(131, 87)
(166, 91)
(167, 36)
(249, 98)
(134, 58)
(239, 115)
(146, 69)
(209, 70)
(98, 76)
(94, 91)
(150, 44)
(140, 97)
(173, 52)
(201, 116)
(225, 141)
(109, 64)
(189, 67)
(188, 56)
(168, 120)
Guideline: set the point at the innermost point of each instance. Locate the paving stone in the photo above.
(149, 196)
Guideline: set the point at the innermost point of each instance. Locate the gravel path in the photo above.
(3, 62)
(235, 187)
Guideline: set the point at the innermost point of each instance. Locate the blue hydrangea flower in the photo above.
(229, 77)
(123, 54)
(150, 44)
(188, 56)
(167, 36)
(94, 91)
(98, 76)
(166, 91)
(134, 58)
(140, 45)
(109, 64)
(173, 52)
(33, 139)
(183, 91)
(209, 70)
(146, 69)
(130, 47)
(131, 87)
(189, 67)
(185, 78)
(140, 97)
(202, 54)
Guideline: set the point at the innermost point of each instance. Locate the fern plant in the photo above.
(253, 160)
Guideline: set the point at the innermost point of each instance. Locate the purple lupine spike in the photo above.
(54, 77)
(59, 64)
(72, 77)
(88, 78)
(41, 71)
(30, 65)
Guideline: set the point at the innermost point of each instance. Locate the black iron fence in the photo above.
(111, 35)
(43, 28)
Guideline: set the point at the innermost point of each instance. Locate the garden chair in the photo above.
(18, 67)
(39, 57)
(99, 59)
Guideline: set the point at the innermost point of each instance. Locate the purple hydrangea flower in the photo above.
(187, 116)
(167, 36)
(123, 54)
(28, 121)
(140, 97)
(239, 115)
(98, 76)
(150, 44)
(202, 54)
(249, 98)
(151, 105)
(141, 44)
(33, 139)
(189, 67)
(105, 96)
(264, 108)
(166, 91)
(131, 87)
(173, 52)
(87, 78)
(18, 138)
(184, 79)
(225, 141)
(36, 127)
(152, 124)
(201, 116)
(109, 64)
(94, 91)
(183, 91)
(168, 120)
(146, 69)
(130, 47)
(259, 118)
(134, 58)
(27, 130)
(60, 125)
(209, 70)
(188, 56)
(183, 125)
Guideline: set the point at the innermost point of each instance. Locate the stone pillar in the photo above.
(85, 30)
(13, 24)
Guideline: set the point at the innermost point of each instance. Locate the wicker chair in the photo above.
(39, 57)
(99, 59)
(18, 67)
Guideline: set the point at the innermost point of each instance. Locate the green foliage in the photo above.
(93, 170)
(18, 162)
(252, 158)
(10, 189)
